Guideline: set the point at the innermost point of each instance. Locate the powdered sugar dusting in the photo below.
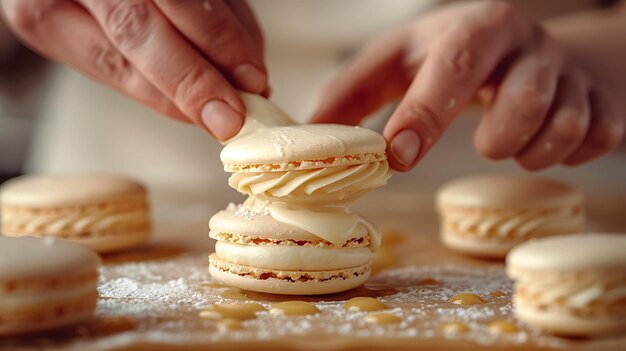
(164, 298)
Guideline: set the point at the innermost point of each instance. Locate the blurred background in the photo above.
(53, 120)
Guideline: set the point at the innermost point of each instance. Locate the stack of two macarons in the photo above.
(294, 235)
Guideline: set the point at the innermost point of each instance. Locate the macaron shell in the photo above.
(565, 324)
(232, 221)
(586, 252)
(231, 274)
(44, 191)
(314, 142)
(507, 191)
(34, 258)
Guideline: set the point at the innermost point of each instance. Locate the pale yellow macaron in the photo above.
(571, 285)
(487, 215)
(45, 284)
(103, 212)
(307, 164)
(256, 252)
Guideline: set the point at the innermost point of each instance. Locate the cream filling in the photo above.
(12, 301)
(340, 183)
(577, 294)
(521, 222)
(76, 223)
(292, 258)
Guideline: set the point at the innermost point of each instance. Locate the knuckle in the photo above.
(127, 22)
(111, 63)
(188, 90)
(25, 16)
(461, 62)
(570, 128)
(532, 104)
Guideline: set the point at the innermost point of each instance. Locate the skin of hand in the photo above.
(541, 107)
(184, 58)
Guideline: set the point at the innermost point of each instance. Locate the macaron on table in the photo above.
(382, 276)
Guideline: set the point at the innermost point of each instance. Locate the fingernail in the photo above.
(250, 78)
(221, 119)
(405, 147)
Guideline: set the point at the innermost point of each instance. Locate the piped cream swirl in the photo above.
(324, 185)
(576, 293)
(514, 223)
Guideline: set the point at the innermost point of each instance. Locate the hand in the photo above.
(184, 58)
(541, 108)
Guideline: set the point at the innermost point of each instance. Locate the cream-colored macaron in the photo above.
(304, 164)
(487, 215)
(571, 285)
(104, 212)
(256, 252)
(45, 283)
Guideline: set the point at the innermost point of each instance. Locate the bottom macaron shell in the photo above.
(230, 274)
(560, 322)
(48, 315)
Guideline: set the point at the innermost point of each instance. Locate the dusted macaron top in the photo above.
(302, 143)
(507, 191)
(35, 258)
(571, 252)
(67, 190)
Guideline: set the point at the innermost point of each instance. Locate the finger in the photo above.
(565, 129)
(141, 33)
(213, 28)
(448, 79)
(246, 16)
(376, 75)
(521, 104)
(53, 33)
(606, 129)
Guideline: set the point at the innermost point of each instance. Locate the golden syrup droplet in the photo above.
(229, 324)
(503, 326)
(497, 293)
(238, 311)
(364, 304)
(429, 281)
(294, 308)
(116, 325)
(466, 299)
(455, 327)
(234, 294)
(382, 318)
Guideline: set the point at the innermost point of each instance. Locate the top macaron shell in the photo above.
(301, 143)
(588, 252)
(507, 191)
(35, 258)
(68, 190)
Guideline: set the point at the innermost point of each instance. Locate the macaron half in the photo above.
(487, 215)
(103, 212)
(45, 284)
(256, 252)
(571, 285)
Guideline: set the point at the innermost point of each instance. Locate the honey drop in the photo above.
(234, 294)
(367, 304)
(497, 293)
(237, 311)
(294, 308)
(466, 299)
(382, 318)
(503, 326)
(229, 324)
(455, 327)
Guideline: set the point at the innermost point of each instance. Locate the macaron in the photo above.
(320, 164)
(256, 252)
(45, 284)
(487, 215)
(103, 212)
(573, 285)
